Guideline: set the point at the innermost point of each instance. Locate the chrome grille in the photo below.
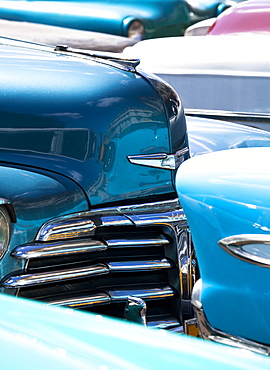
(125, 251)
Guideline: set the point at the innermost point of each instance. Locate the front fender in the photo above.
(226, 194)
(36, 198)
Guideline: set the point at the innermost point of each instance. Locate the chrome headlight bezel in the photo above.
(5, 230)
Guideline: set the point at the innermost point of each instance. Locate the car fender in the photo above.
(33, 197)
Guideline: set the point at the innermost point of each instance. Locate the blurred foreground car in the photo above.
(34, 336)
(89, 213)
(225, 196)
(217, 77)
(136, 19)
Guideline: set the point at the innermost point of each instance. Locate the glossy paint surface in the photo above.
(36, 197)
(250, 16)
(209, 135)
(160, 18)
(224, 194)
(81, 118)
(58, 338)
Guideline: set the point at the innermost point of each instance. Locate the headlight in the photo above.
(5, 230)
(136, 30)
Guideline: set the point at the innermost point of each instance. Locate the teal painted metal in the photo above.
(159, 18)
(224, 194)
(35, 196)
(80, 118)
(36, 336)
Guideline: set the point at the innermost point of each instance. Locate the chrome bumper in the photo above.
(215, 335)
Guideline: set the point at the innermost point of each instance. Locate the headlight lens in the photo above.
(5, 230)
(136, 30)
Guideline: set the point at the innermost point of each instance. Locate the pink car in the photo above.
(249, 16)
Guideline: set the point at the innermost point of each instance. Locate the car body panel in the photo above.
(212, 74)
(224, 194)
(36, 196)
(50, 130)
(63, 338)
(159, 18)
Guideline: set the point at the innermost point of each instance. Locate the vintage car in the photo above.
(216, 77)
(89, 213)
(250, 16)
(225, 196)
(136, 19)
(35, 336)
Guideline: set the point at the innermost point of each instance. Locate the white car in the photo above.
(223, 77)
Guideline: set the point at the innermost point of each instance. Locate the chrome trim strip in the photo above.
(41, 250)
(124, 243)
(20, 281)
(122, 295)
(228, 115)
(56, 276)
(81, 302)
(164, 212)
(136, 266)
(4, 201)
(70, 228)
(159, 160)
(163, 324)
(249, 248)
(215, 335)
(168, 218)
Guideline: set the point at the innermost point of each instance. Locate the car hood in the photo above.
(57, 338)
(193, 55)
(208, 135)
(81, 117)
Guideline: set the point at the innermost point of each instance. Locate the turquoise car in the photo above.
(225, 196)
(34, 336)
(137, 19)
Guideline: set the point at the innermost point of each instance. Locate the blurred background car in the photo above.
(140, 19)
(252, 16)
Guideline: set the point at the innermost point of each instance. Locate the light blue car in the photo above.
(34, 336)
(136, 19)
(225, 196)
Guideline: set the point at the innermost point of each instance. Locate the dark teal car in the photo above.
(137, 19)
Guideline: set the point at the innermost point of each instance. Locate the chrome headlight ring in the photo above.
(5, 230)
